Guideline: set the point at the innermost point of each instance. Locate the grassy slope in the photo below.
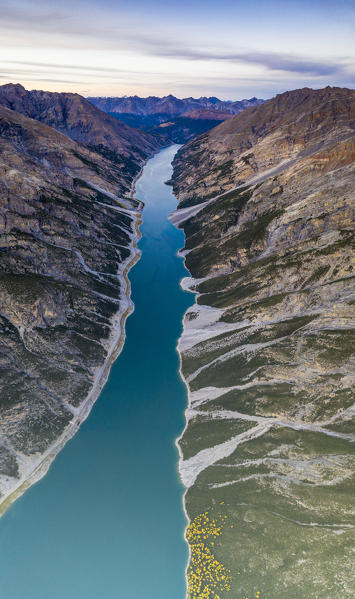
(276, 260)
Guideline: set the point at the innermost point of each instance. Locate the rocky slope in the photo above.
(182, 128)
(267, 455)
(74, 116)
(68, 231)
(171, 119)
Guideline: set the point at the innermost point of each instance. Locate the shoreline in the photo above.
(187, 284)
(177, 445)
(188, 397)
(116, 342)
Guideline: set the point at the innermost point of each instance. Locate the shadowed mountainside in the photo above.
(74, 116)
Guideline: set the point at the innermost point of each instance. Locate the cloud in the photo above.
(125, 33)
(273, 61)
(21, 16)
(160, 54)
(292, 64)
(70, 67)
(35, 70)
(61, 66)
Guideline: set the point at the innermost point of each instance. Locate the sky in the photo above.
(231, 49)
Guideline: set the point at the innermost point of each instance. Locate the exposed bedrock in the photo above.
(68, 236)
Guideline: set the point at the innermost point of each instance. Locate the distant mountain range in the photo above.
(170, 105)
(172, 119)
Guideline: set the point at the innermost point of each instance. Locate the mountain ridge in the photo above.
(171, 119)
(68, 234)
(266, 203)
(169, 105)
(240, 132)
(74, 116)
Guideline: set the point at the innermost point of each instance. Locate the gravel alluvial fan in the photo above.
(68, 231)
(266, 203)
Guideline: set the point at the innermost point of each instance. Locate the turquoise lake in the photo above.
(106, 522)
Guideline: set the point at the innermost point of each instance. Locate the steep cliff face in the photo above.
(266, 203)
(68, 237)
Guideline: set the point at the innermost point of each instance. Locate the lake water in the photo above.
(106, 522)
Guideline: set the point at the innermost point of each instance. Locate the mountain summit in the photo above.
(169, 105)
(76, 117)
(171, 119)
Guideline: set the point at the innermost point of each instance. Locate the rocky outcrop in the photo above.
(266, 204)
(68, 231)
(77, 118)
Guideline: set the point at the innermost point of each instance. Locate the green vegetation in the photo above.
(222, 247)
(203, 432)
(225, 169)
(267, 514)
